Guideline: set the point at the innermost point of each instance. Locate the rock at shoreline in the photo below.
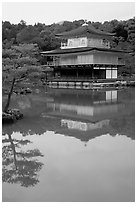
(11, 116)
(23, 91)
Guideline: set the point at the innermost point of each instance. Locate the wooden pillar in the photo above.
(111, 71)
(92, 72)
(83, 72)
(77, 72)
(54, 73)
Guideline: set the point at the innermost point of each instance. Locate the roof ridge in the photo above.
(87, 28)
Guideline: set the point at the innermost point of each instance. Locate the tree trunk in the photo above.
(14, 151)
(9, 96)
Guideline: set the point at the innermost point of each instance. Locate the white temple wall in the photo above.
(105, 58)
(85, 59)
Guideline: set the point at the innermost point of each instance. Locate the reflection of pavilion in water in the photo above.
(85, 115)
(83, 126)
(91, 107)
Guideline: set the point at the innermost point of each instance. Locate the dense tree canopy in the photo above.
(21, 62)
(44, 36)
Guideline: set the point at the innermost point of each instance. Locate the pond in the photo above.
(71, 145)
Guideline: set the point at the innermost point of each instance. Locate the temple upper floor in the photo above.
(85, 36)
(78, 42)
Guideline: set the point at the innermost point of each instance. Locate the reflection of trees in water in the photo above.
(19, 166)
(124, 124)
(40, 116)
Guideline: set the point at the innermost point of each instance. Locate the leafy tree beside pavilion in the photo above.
(20, 64)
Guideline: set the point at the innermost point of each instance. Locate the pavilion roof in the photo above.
(79, 50)
(85, 30)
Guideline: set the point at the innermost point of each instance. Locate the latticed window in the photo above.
(70, 43)
(83, 42)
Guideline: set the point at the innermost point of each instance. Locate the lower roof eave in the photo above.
(85, 65)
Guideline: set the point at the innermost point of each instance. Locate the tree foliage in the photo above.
(20, 64)
(18, 59)
(44, 36)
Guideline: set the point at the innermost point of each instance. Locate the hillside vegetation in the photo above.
(22, 43)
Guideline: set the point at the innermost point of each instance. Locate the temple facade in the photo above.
(85, 53)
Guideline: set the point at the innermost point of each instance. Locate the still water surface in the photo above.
(71, 145)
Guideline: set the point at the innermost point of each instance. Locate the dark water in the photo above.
(71, 145)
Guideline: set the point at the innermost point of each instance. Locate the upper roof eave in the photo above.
(79, 50)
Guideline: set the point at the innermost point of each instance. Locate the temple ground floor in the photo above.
(86, 72)
(85, 77)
